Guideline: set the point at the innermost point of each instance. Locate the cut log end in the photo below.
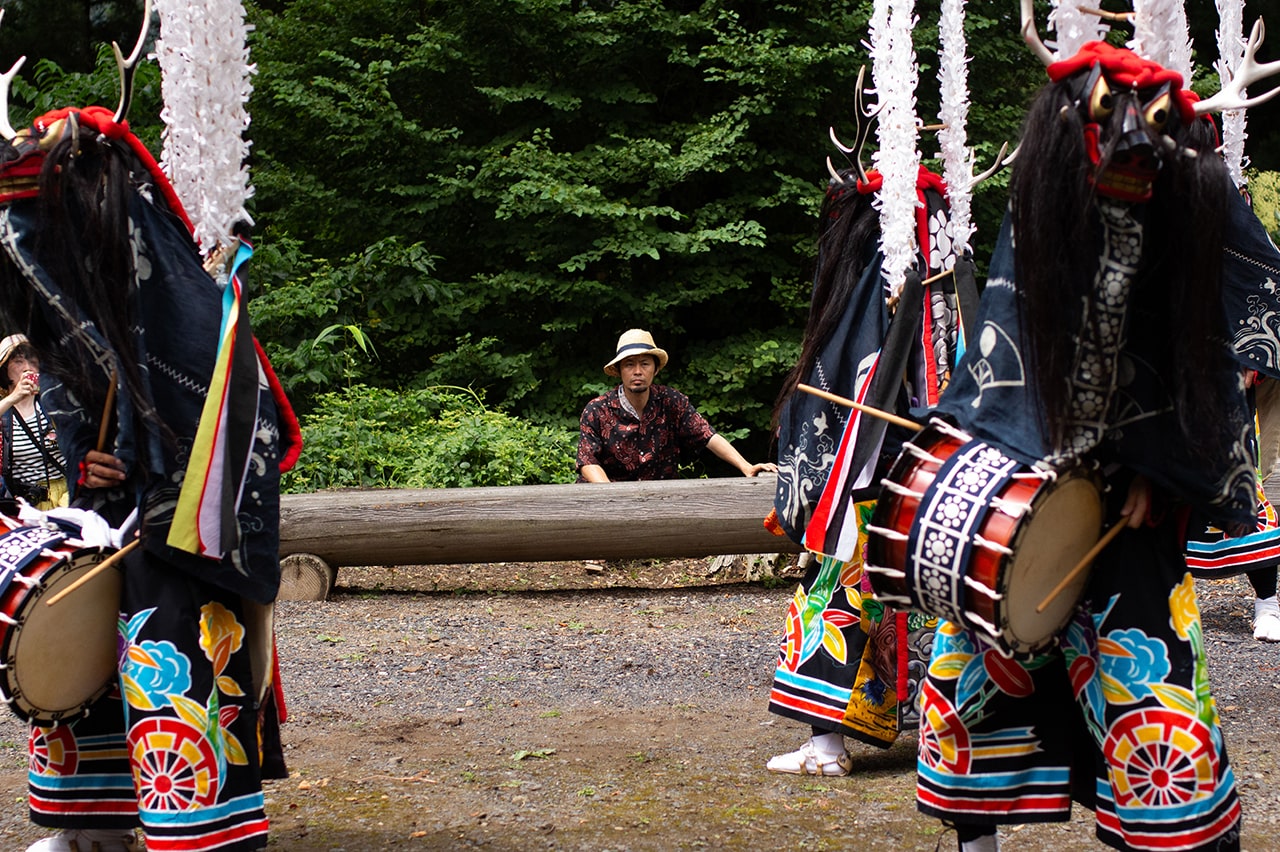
(305, 577)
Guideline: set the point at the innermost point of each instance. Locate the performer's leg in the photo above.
(822, 754)
(79, 781)
(977, 838)
(1141, 677)
(1266, 609)
(191, 723)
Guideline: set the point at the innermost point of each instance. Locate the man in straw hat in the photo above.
(639, 430)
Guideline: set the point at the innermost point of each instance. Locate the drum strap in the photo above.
(967, 298)
(887, 379)
(39, 445)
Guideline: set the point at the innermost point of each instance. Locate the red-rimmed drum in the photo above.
(964, 532)
(55, 660)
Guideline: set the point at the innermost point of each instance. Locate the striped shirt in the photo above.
(28, 464)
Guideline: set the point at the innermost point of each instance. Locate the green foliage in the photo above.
(1264, 187)
(485, 194)
(576, 168)
(428, 438)
(46, 86)
(312, 313)
(735, 381)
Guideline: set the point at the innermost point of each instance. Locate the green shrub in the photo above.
(428, 438)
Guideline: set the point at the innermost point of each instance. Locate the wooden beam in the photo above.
(685, 518)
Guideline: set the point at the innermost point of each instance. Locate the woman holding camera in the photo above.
(33, 467)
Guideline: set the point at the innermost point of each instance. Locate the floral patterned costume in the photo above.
(848, 662)
(1119, 716)
(181, 742)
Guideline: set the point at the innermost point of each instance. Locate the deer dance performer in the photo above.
(1125, 266)
(99, 268)
(849, 665)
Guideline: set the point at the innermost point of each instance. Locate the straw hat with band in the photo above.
(7, 347)
(635, 342)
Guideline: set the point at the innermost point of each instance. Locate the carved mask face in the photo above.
(1127, 122)
(1129, 107)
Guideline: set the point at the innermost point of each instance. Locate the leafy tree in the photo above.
(68, 32)
(490, 192)
(575, 169)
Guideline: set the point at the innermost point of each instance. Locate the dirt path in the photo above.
(605, 717)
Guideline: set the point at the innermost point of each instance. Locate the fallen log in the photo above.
(672, 519)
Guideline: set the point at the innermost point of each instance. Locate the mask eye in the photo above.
(1101, 102)
(1156, 111)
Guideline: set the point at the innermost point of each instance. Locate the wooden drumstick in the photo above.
(94, 571)
(866, 409)
(1084, 562)
(107, 408)
(932, 278)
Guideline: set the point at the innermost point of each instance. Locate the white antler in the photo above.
(127, 66)
(1001, 162)
(1232, 95)
(1032, 36)
(866, 120)
(6, 129)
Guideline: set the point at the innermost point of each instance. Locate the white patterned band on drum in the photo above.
(945, 530)
(20, 548)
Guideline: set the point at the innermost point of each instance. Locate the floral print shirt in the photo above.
(649, 448)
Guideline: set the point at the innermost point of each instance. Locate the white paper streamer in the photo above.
(1231, 47)
(957, 163)
(1160, 34)
(205, 74)
(893, 67)
(1074, 28)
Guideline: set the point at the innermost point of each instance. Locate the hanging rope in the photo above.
(957, 165)
(893, 68)
(1231, 48)
(1160, 34)
(1074, 28)
(205, 73)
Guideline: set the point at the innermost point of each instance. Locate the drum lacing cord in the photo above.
(922, 455)
(991, 545)
(892, 535)
(29, 582)
(896, 600)
(982, 622)
(900, 490)
(949, 430)
(888, 572)
(1010, 508)
(983, 588)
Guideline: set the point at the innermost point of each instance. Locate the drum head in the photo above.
(62, 657)
(1066, 522)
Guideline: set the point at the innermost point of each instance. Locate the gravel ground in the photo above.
(595, 715)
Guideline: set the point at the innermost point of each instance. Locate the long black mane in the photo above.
(848, 227)
(83, 243)
(1057, 245)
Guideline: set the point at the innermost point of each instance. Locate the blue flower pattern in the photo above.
(1148, 662)
(171, 674)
